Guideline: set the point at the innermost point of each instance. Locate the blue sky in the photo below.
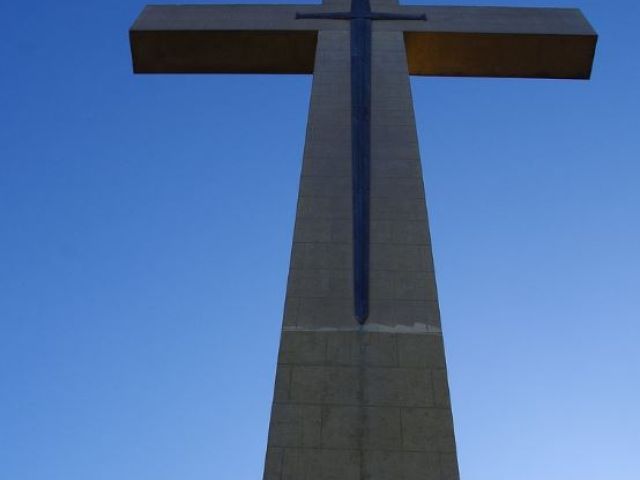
(145, 228)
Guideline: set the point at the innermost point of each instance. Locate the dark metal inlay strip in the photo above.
(360, 17)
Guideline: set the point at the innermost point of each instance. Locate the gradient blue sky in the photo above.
(145, 228)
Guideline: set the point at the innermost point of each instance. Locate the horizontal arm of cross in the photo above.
(456, 41)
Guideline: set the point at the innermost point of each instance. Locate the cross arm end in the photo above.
(221, 39)
(502, 42)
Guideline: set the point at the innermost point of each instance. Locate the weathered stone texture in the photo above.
(372, 402)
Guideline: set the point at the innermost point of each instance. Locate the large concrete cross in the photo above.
(365, 399)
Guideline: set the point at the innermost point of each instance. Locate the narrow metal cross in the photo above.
(360, 17)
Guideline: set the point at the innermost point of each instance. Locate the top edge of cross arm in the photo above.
(494, 20)
(497, 20)
(228, 17)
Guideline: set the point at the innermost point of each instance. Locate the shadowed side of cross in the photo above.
(455, 41)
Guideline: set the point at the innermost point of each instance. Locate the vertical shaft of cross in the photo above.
(361, 402)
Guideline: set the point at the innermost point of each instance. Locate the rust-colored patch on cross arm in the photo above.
(500, 55)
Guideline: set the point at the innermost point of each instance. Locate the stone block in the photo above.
(411, 232)
(333, 207)
(358, 348)
(405, 232)
(336, 91)
(325, 313)
(409, 312)
(327, 81)
(323, 230)
(318, 464)
(415, 286)
(335, 50)
(327, 160)
(383, 102)
(273, 464)
(309, 230)
(390, 167)
(383, 428)
(382, 312)
(410, 258)
(302, 348)
(335, 136)
(320, 283)
(423, 316)
(391, 77)
(397, 465)
(383, 465)
(326, 186)
(391, 115)
(397, 207)
(441, 388)
(321, 256)
(291, 306)
(343, 386)
(421, 466)
(427, 429)
(381, 285)
(381, 231)
(398, 187)
(386, 133)
(389, 142)
(361, 428)
(282, 389)
(325, 92)
(401, 285)
(308, 384)
(422, 351)
(449, 467)
(298, 251)
(398, 387)
(342, 427)
(325, 385)
(295, 426)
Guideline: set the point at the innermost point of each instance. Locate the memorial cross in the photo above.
(362, 400)
(457, 41)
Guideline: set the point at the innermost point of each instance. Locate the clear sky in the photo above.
(145, 228)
